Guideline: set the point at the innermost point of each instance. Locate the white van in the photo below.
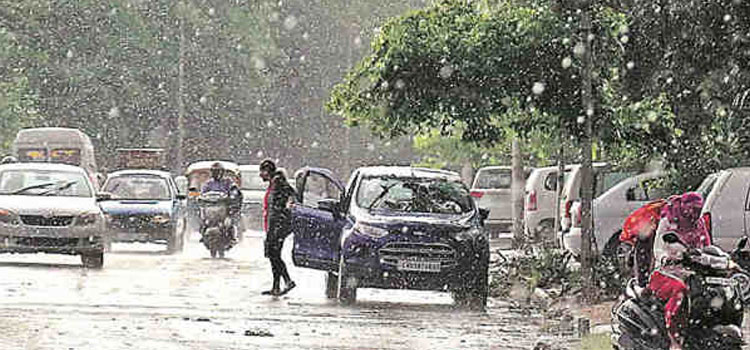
(539, 216)
(726, 210)
(57, 145)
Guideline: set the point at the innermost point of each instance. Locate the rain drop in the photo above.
(203, 100)
(579, 49)
(69, 54)
(567, 62)
(211, 11)
(727, 18)
(624, 39)
(290, 22)
(581, 119)
(630, 65)
(400, 84)
(446, 71)
(269, 124)
(538, 88)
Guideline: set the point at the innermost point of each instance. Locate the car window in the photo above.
(44, 183)
(251, 180)
(493, 179)
(550, 182)
(415, 195)
(318, 187)
(143, 187)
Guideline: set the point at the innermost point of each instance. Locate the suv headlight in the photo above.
(8, 217)
(87, 219)
(370, 231)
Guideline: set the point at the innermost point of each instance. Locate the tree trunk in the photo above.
(467, 173)
(517, 192)
(586, 168)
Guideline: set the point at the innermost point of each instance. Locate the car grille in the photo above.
(394, 252)
(38, 220)
(134, 221)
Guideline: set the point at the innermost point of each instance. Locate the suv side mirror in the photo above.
(484, 214)
(630, 195)
(329, 205)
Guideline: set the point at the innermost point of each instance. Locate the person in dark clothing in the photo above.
(277, 222)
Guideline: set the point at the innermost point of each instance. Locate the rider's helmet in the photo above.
(8, 160)
(217, 171)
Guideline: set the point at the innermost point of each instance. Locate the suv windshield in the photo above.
(43, 183)
(414, 195)
(148, 187)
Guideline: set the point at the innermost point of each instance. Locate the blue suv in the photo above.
(392, 227)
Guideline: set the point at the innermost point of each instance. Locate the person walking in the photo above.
(277, 223)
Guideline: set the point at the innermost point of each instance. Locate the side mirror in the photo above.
(742, 243)
(630, 195)
(484, 214)
(329, 205)
(103, 196)
(671, 237)
(181, 197)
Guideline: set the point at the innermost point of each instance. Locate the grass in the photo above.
(596, 342)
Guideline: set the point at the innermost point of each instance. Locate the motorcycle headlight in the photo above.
(87, 219)
(160, 219)
(370, 231)
(8, 217)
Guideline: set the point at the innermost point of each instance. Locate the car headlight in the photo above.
(467, 234)
(87, 218)
(8, 217)
(370, 231)
(160, 219)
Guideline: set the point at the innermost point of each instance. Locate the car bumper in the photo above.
(140, 234)
(64, 240)
(379, 266)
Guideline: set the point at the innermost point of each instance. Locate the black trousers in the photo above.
(278, 267)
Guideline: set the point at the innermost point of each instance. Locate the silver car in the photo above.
(50, 208)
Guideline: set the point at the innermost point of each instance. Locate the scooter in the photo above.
(218, 231)
(718, 291)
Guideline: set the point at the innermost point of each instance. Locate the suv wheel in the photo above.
(332, 285)
(93, 260)
(347, 284)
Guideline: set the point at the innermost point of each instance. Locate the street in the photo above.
(145, 299)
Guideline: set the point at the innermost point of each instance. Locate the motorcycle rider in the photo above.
(220, 183)
(678, 215)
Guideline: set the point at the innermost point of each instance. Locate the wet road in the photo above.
(144, 299)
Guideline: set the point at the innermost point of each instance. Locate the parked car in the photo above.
(726, 209)
(66, 221)
(540, 201)
(604, 179)
(611, 208)
(57, 145)
(253, 190)
(391, 227)
(144, 206)
(492, 191)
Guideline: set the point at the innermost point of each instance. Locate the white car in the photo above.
(492, 191)
(50, 208)
(539, 216)
(726, 209)
(610, 210)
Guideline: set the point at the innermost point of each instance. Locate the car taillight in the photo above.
(707, 222)
(580, 217)
(568, 204)
(531, 204)
(476, 194)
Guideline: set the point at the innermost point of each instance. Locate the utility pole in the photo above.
(586, 168)
(180, 156)
(517, 192)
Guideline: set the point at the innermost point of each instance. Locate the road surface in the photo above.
(145, 299)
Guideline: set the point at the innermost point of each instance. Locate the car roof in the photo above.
(206, 164)
(405, 171)
(250, 167)
(126, 172)
(42, 166)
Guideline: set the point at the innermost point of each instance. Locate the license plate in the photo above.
(719, 281)
(419, 265)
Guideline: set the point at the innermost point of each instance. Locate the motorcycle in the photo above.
(718, 291)
(218, 231)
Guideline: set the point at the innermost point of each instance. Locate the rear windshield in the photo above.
(251, 181)
(141, 187)
(707, 185)
(414, 195)
(493, 179)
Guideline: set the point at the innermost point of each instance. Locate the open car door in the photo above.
(317, 220)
